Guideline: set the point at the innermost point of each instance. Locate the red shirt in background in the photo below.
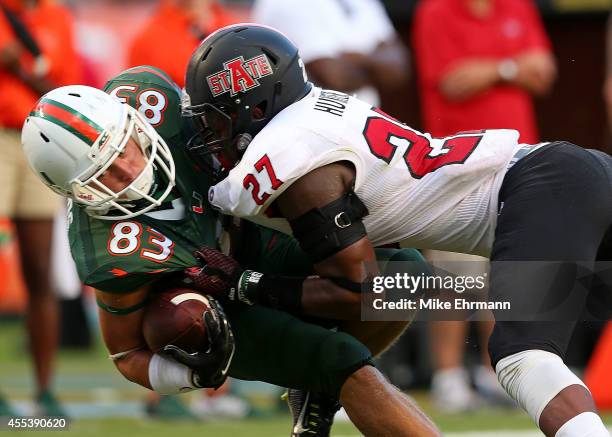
(445, 33)
(51, 26)
(168, 39)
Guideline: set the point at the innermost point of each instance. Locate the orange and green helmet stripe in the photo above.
(69, 119)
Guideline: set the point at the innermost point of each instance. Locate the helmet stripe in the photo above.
(69, 119)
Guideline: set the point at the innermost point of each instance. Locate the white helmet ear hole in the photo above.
(45, 138)
(74, 94)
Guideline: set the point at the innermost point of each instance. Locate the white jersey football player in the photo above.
(399, 172)
(343, 177)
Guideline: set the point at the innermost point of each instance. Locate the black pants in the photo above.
(555, 205)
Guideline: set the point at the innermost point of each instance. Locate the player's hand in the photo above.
(220, 275)
(209, 367)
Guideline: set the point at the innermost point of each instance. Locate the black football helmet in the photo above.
(237, 80)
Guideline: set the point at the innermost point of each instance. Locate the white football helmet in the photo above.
(74, 133)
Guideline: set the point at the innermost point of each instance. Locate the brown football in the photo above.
(175, 317)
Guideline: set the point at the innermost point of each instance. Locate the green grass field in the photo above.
(270, 427)
(104, 404)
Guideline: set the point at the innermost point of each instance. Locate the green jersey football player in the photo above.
(138, 216)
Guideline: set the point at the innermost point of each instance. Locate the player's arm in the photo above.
(121, 318)
(174, 371)
(311, 205)
(341, 267)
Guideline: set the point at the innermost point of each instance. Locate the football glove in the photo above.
(223, 278)
(209, 367)
(220, 276)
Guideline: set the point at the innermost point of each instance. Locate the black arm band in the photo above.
(325, 231)
(278, 292)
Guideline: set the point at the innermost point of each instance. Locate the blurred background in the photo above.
(423, 61)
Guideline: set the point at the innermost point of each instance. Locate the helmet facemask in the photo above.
(145, 191)
(217, 133)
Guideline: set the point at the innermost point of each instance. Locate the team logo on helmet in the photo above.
(239, 75)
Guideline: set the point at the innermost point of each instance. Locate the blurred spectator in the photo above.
(172, 34)
(65, 282)
(36, 54)
(608, 84)
(479, 63)
(347, 45)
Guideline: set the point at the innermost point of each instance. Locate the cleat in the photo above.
(313, 414)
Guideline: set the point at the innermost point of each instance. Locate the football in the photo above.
(175, 317)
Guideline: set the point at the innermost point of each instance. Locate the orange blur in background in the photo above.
(12, 290)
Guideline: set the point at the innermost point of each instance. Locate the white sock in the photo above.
(586, 424)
